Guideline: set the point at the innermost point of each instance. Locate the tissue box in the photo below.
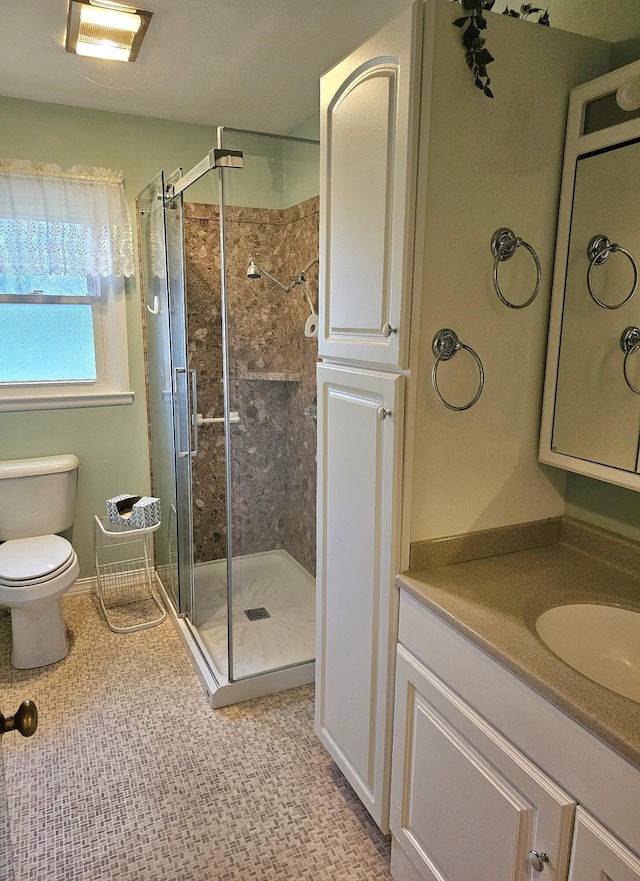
(138, 512)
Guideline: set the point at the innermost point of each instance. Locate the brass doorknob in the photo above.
(24, 720)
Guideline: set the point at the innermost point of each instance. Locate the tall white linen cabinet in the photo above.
(418, 169)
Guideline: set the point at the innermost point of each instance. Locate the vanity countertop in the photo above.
(495, 602)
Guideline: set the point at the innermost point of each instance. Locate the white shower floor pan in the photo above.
(269, 654)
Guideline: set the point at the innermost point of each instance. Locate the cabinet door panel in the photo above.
(368, 158)
(466, 805)
(598, 856)
(358, 464)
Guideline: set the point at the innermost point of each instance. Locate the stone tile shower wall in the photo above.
(272, 380)
(202, 271)
(300, 228)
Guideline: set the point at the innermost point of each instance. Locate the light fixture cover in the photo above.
(628, 94)
(102, 29)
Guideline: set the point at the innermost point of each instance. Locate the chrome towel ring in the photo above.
(599, 251)
(444, 346)
(630, 344)
(504, 243)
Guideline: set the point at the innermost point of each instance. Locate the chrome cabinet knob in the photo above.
(537, 859)
(381, 413)
(24, 720)
(387, 330)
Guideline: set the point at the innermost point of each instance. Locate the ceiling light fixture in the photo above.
(102, 29)
(628, 94)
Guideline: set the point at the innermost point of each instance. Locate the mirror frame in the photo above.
(578, 144)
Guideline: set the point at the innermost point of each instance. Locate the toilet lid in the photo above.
(40, 557)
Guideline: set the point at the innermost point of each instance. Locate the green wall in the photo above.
(111, 442)
(610, 507)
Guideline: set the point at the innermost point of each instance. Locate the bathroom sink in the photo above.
(601, 642)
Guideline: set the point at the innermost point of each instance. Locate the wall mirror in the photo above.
(591, 405)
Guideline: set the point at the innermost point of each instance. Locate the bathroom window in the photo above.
(66, 247)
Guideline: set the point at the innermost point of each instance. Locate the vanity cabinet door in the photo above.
(598, 856)
(368, 138)
(466, 805)
(359, 462)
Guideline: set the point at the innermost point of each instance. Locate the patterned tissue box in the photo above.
(138, 512)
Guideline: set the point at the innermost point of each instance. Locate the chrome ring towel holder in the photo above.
(599, 251)
(504, 244)
(630, 344)
(445, 345)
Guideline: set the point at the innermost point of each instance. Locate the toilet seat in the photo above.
(31, 561)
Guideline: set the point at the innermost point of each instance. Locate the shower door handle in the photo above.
(187, 405)
(194, 414)
(180, 405)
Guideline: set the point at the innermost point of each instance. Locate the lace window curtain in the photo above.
(55, 222)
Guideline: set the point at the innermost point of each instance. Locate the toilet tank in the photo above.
(37, 496)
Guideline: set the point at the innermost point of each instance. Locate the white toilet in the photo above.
(37, 500)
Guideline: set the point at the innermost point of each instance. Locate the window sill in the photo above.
(27, 402)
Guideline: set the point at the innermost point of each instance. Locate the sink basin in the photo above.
(601, 642)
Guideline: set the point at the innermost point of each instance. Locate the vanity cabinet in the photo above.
(408, 151)
(487, 777)
(368, 145)
(369, 115)
(359, 447)
(466, 804)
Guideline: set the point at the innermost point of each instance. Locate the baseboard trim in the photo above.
(83, 587)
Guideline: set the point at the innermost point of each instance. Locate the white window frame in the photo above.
(111, 385)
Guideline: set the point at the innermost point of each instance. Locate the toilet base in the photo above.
(38, 636)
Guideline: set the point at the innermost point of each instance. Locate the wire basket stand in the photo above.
(124, 569)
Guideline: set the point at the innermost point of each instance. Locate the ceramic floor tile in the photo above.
(132, 775)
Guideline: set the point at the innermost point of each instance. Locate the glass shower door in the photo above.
(155, 292)
(171, 385)
(236, 366)
(180, 245)
(183, 399)
(270, 213)
(204, 344)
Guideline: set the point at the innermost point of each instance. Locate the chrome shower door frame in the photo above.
(181, 395)
(227, 408)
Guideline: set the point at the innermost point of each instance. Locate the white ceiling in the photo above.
(246, 63)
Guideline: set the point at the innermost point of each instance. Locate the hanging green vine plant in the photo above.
(474, 23)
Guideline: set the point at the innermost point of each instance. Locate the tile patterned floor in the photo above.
(132, 775)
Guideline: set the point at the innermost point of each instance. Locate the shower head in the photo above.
(255, 271)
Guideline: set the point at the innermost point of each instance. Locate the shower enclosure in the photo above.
(231, 358)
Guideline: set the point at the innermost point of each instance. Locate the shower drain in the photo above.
(256, 614)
